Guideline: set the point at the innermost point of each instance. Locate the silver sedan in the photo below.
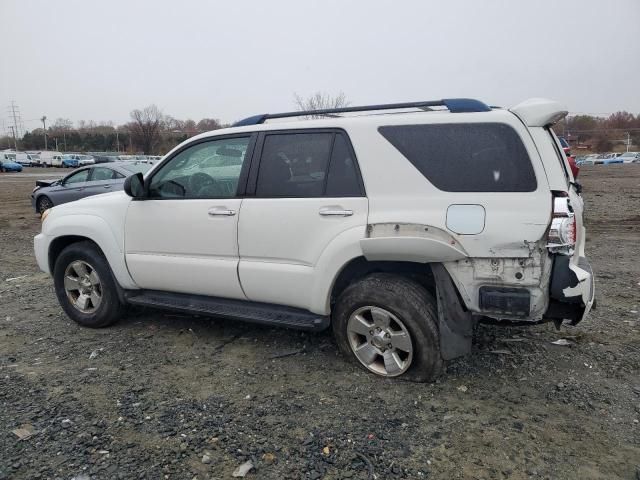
(84, 182)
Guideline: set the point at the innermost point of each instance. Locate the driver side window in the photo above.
(77, 177)
(205, 170)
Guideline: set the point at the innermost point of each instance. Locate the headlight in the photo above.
(37, 188)
(45, 214)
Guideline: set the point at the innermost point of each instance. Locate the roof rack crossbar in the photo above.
(455, 105)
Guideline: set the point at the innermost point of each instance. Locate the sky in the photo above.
(90, 60)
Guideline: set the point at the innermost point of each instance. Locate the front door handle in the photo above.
(107, 186)
(335, 212)
(221, 211)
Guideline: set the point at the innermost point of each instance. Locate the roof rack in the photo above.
(454, 105)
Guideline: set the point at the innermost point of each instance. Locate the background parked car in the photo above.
(84, 182)
(10, 166)
(613, 159)
(85, 160)
(70, 161)
(630, 157)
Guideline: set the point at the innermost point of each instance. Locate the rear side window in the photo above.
(343, 180)
(307, 165)
(466, 157)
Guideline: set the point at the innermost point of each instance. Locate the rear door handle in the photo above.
(221, 211)
(107, 186)
(335, 212)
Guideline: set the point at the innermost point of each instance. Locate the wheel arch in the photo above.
(66, 230)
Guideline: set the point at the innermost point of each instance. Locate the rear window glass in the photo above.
(466, 157)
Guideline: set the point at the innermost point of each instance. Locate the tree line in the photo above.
(601, 134)
(149, 132)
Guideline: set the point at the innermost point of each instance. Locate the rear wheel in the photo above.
(85, 286)
(44, 203)
(388, 325)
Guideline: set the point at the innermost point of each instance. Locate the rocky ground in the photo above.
(161, 395)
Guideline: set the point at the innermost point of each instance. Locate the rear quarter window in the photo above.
(466, 157)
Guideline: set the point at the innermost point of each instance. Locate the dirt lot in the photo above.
(170, 396)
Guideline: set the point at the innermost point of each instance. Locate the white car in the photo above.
(400, 231)
(630, 157)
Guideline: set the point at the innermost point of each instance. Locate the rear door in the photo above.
(304, 191)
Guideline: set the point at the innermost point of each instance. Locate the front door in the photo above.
(72, 187)
(183, 237)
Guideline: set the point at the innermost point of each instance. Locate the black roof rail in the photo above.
(454, 105)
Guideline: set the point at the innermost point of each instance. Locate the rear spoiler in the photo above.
(539, 112)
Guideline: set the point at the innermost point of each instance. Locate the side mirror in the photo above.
(134, 186)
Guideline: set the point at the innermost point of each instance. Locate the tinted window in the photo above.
(294, 165)
(343, 180)
(77, 177)
(205, 170)
(466, 157)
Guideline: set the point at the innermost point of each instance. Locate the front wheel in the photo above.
(85, 286)
(388, 325)
(44, 203)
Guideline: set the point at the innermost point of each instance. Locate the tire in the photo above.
(103, 307)
(43, 203)
(410, 306)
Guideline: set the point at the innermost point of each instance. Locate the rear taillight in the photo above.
(562, 232)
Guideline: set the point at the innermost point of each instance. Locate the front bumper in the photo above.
(572, 290)
(41, 249)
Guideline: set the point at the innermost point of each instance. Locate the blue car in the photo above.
(10, 167)
(70, 163)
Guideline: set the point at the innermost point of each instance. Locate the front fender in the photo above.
(93, 228)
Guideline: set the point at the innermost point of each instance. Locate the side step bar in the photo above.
(243, 310)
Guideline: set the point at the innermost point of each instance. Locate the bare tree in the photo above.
(62, 125)
(208, 124)
(145, 127)
(320, 101)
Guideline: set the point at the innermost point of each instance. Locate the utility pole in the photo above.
(13, 133)
(14, 111)
(628, 141)
(117, 142)
(44, 127)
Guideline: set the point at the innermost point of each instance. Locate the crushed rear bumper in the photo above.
(572, 290)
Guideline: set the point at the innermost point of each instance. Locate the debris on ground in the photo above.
(243, 469)
(24, 432)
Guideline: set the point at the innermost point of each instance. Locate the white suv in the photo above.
(398, 225)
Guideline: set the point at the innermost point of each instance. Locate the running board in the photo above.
(243, 310)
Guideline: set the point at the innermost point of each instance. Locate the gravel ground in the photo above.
(161, 395)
